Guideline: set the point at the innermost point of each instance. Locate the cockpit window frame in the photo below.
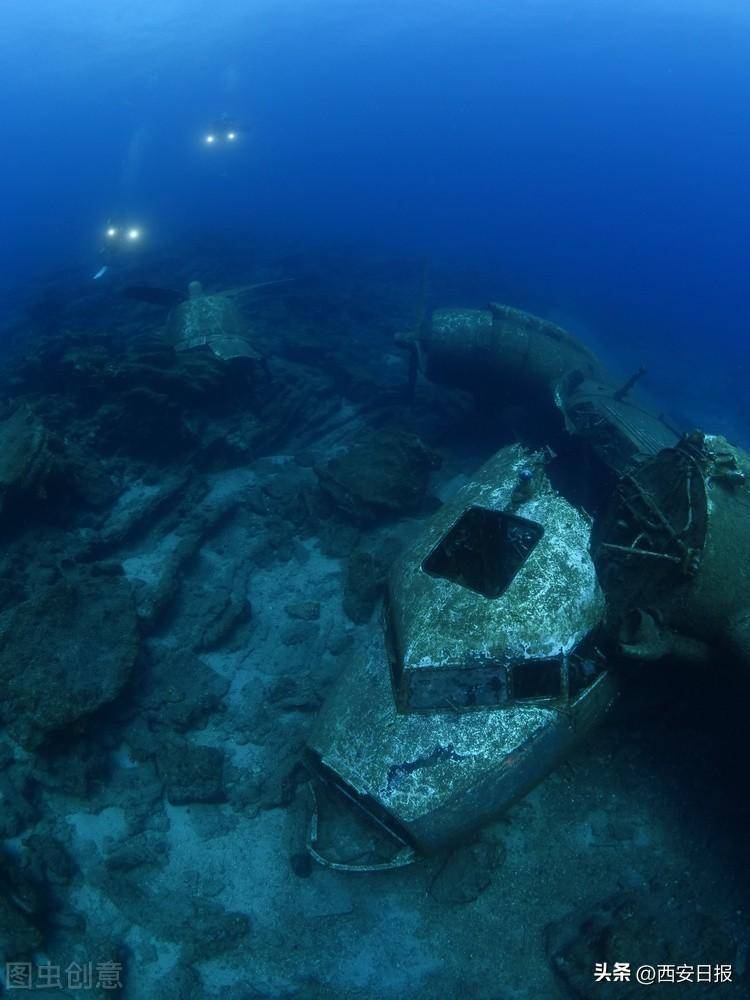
(431, 564)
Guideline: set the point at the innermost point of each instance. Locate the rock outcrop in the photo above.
(64, 654)
(383, 474)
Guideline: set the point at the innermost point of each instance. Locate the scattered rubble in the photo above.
(192, 552)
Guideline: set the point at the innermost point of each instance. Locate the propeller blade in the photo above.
(243, 289)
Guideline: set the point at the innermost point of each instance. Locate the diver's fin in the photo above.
(101, 272)
(156, 296)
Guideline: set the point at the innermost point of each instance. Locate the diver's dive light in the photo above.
(221, 132)
(115, 238)
(120, 236)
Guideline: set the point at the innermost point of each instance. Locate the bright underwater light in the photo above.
(134, 234)
(231, 136)
(111, 231)
(210, 139)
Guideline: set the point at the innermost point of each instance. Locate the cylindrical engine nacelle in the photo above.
(501, 346)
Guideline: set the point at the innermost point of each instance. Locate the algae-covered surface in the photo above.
(154, 802)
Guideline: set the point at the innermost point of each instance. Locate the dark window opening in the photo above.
(484, 550)
(537, 679)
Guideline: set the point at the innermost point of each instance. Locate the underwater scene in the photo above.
(375, 499)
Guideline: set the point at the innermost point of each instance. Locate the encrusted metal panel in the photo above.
(553, 602)
(620, 430)
(210, 321)
(228, 348)
(457, 347)
(437, 777)
(502, 345)
(467, 326)
(192, 343)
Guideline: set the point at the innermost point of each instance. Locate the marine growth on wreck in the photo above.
(374, 501)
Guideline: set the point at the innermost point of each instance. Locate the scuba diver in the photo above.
(116, 239)
(223, 132)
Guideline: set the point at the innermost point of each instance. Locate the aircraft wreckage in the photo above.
(504, 622)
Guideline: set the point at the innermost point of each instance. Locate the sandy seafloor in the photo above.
(213, 899)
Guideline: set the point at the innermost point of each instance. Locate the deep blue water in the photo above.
(591, 154)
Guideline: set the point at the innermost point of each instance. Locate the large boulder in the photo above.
(383, 474)
(64, 654)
